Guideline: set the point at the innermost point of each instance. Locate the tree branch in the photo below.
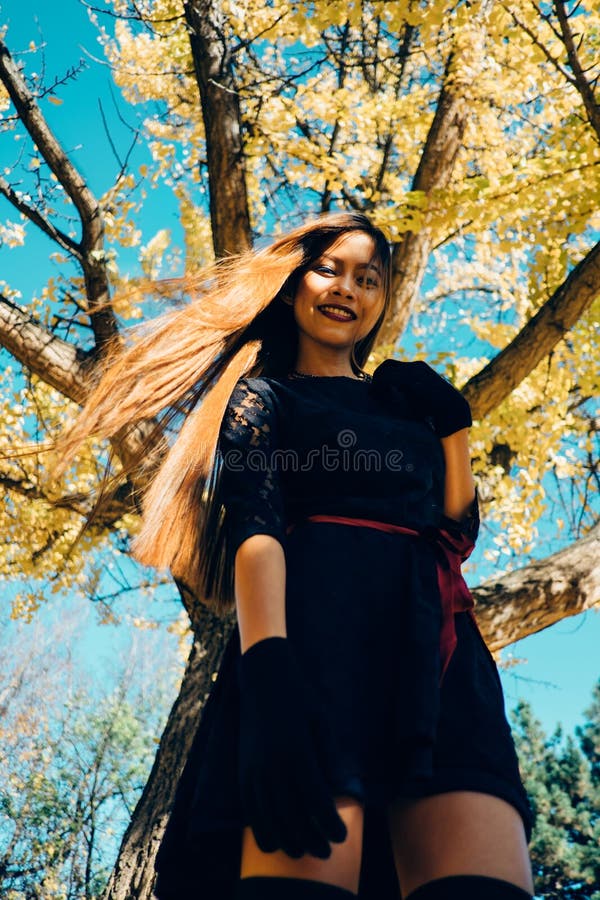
(69, 370)
(581, 83)
(91, 246)
(326, 196)
(530, 599)
(119, 504)
(31, 116)
(540, 44)
(58, 363)
(38, 219)
(537, 338)
(434, 172)
(410, 255)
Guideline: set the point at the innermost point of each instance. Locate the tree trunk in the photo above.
(410, 255)
(133, 875)
(222, 125)
(436, 168)
(508, 609)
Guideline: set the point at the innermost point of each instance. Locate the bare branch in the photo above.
(581, 83)
(91, 246)
(35, 216)
(136, 16)
(109, 138)
(35, 123)
(60, 80)
(540, 44)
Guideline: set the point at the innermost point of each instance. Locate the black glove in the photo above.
(428, 394)
(284, 792)
(469, 524)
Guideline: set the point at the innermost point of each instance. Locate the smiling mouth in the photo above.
(339, 313)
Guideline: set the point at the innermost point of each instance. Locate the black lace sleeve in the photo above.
(250, 486)
(469, 524)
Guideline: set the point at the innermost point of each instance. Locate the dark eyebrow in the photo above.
(368, 265)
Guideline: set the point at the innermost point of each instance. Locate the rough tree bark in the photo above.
(63, 366)
(530, 599)
(434, 173)
(410, 255)
(59, 363)
(222, 124)
(133, 875)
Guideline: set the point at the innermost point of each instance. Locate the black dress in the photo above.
(363, 615)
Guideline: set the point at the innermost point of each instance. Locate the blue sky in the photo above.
(562, 662)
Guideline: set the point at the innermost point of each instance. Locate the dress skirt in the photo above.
(351, 593)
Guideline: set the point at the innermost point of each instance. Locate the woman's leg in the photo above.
(341, 869)
(458, 833)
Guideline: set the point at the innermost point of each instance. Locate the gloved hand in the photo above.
(283, 788)
(428, 394)
(469, 525)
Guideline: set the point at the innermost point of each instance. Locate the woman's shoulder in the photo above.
(259, 385)
(251, 394)
(269, 387)
(253, 398)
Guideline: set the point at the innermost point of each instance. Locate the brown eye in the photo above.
(370, 282)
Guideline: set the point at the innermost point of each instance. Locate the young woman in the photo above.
(355, 741)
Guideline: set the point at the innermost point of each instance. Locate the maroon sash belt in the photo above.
(451, 552)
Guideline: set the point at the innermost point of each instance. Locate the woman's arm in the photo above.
(260, 589)
(459, 488)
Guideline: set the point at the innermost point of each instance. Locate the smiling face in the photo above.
(347, 276)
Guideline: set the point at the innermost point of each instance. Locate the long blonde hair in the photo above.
(184, 365)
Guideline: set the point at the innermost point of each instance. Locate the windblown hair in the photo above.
(183, 366)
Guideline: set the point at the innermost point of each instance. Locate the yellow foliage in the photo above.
(12, 234)
(197, 233)
(151, 254)
(43, 551)
(334, 113)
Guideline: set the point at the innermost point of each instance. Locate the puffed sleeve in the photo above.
(250, 484)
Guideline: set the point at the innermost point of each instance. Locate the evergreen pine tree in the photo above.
(562, 778)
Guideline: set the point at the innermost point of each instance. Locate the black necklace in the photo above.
(362, 376)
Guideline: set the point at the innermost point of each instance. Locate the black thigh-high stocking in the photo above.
(263, 887)
(469, 887)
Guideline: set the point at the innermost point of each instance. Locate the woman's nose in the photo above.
(344, 286)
